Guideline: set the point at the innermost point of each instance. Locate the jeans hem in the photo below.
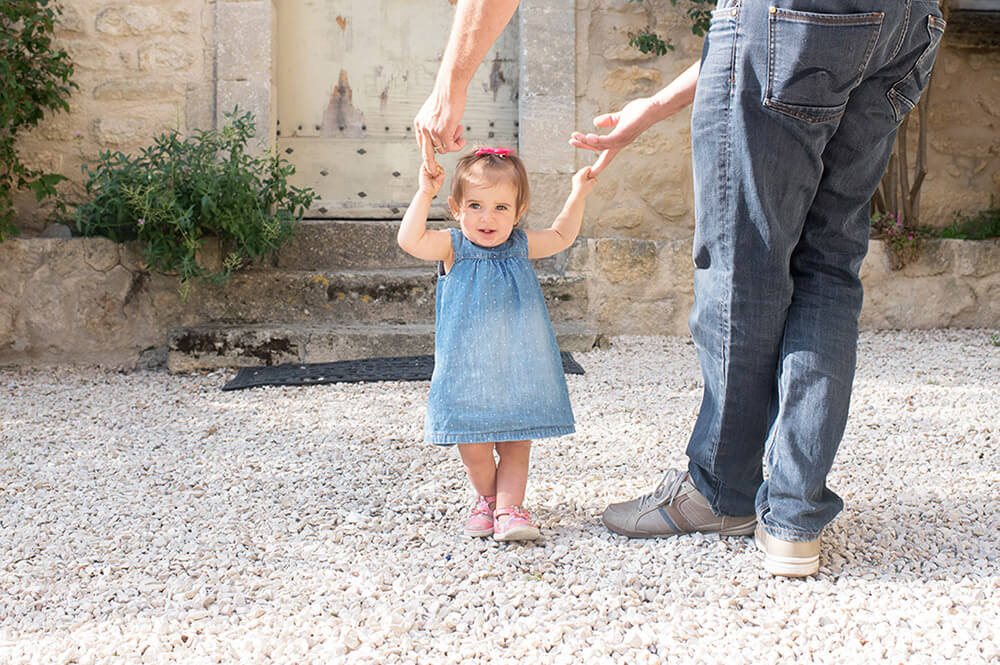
(785, 533)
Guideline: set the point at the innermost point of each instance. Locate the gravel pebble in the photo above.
(149, 518)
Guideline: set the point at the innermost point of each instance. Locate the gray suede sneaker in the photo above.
(673, 508)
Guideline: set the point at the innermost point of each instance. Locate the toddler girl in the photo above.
(498, 377)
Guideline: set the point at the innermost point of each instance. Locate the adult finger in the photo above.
(598, 142)
(449, 139)
(426, 141)
(578, 143)
(458, 141)
(602, 162)
(607, 120)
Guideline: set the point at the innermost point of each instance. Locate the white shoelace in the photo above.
(668, 489)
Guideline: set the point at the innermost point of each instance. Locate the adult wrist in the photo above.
(451, 88)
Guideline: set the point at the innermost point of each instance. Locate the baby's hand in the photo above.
(432, 178)
(584, 181)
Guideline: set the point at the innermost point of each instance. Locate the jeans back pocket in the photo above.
(816, 60)
(906, 92)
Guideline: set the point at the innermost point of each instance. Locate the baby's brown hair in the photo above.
(492, 166)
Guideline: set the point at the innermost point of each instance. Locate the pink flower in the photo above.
(141, 223)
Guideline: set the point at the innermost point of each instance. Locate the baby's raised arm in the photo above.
(414, 237)
(564, 230)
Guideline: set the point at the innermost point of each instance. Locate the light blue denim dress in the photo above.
(498, 375)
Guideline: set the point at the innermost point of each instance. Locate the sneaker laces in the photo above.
(668, 489)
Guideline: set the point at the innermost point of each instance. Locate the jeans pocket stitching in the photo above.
(832, 112)
(866, 18)
(894, 95)
(898, 100)
(869, 18)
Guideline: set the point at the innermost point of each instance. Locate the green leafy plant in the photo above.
(979, 226)
(34, 79)
(698, 11)
(904, 243)
(180, 190)
(649, 42)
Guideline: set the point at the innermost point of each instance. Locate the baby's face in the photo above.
(488, 213)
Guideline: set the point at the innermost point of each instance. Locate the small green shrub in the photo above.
(980, 226)
(182, 189)
(34, 78)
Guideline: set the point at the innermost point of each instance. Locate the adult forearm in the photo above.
(678, 93)
(477, 25)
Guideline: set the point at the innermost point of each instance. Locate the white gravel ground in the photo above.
(155, 519)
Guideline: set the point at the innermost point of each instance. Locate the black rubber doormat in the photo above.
(405, 368)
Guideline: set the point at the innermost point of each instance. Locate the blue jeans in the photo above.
(794, 118)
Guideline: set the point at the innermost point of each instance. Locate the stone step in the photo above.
(347, 244)
(216, 346)
(399, 295)
(340, 244)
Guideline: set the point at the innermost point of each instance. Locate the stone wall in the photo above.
(142, 67)
(82, 300)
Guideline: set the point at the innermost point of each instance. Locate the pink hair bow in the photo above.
(500, 152)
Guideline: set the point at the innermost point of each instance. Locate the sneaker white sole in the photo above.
(482, 533)
(518, 533)
(788, 566)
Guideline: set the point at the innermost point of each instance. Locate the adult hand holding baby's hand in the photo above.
(431, 178)
(626, 125)
(584, 180)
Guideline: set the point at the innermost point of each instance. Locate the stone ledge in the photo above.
(953, 283)
(87, 300)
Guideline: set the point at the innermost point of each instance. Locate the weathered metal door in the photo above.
(352, 74)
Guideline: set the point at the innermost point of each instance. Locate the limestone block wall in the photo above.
(81, 300)
(142, 67)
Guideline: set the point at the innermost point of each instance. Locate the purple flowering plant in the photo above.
(904, 243)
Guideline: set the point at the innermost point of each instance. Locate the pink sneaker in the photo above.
(480, 522)
(517, 526)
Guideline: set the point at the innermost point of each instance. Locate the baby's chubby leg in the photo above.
(512, 472)
(480, 466)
